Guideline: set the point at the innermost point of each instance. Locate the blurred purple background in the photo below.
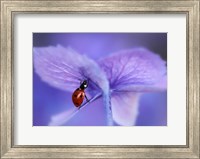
(49, 101)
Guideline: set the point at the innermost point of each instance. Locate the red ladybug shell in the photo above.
(78, 97)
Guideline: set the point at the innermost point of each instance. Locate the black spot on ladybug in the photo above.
(75, 95)
(81, 95)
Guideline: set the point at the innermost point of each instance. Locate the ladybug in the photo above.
(79, 94)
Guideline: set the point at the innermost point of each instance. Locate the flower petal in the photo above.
(134, 70)
(157, 87)
(64, 117)
(125, 108)
(64, 68)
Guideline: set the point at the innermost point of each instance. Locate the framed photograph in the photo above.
(99, 79)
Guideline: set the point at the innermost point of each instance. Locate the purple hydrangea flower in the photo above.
(119, 78)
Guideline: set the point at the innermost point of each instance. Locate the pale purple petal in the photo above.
(135, 70)
(157, 87)
(63, 117)
(129, 73)
(64, 68)
(125, 108)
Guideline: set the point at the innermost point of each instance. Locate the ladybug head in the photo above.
(84, 84)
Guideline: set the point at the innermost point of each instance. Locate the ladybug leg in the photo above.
(87, 98)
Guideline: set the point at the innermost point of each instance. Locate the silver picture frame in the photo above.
(10, 8)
